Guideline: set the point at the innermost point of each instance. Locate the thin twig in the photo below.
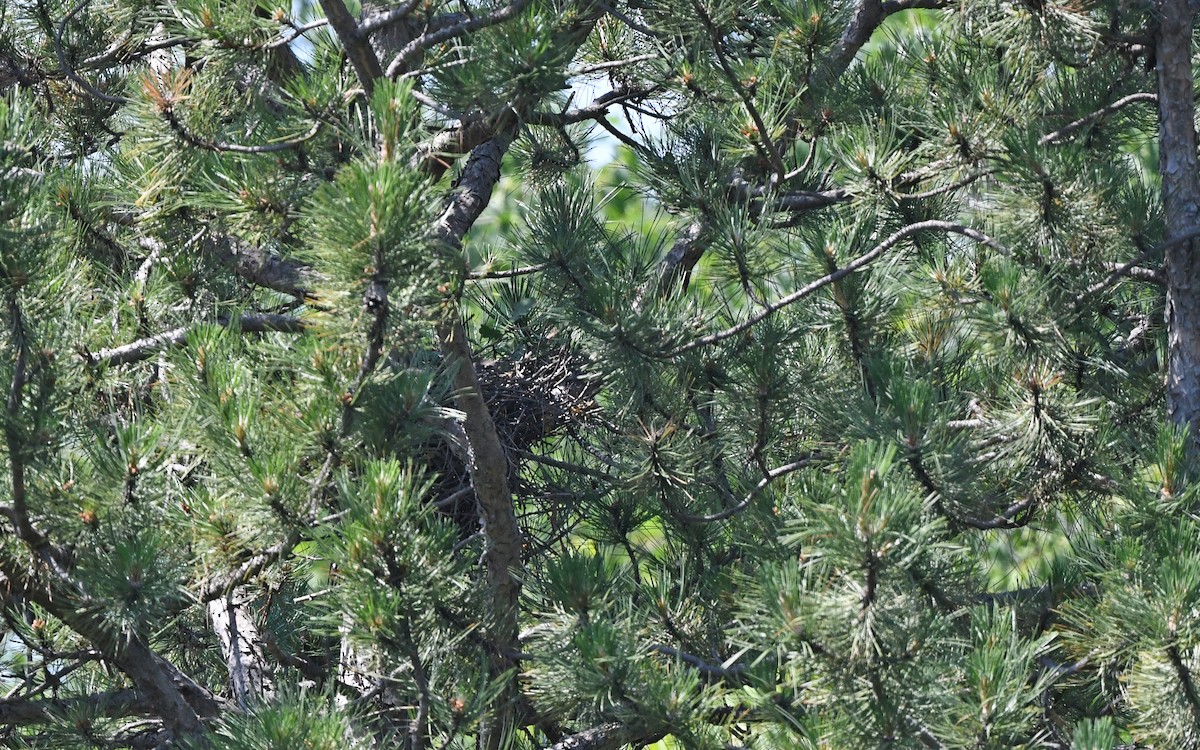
(771, 476)
(142, 349)
(861, 261)
(1099, 114)
(416, 46)
(509, 273)
(68, 70)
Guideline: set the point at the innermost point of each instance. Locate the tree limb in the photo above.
(861, 261)
(358, 49)
(142, 349)
(418, 45)
(605, 737)
(487, 461)
(1099, 114)
(115, 704)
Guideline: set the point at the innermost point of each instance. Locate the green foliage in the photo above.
(826, 413)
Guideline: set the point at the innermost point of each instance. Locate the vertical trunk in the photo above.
(1181, 202)
(241, 647)
(487, 461)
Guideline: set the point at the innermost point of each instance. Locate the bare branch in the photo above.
(68, 70)
(1006, 520)
(771, 476)
(861, 261)
(418, 45)
(358, 50)
(142, 349)
(297, 32)
(895, 6)
(1096, 116)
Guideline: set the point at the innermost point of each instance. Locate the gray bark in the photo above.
(241, 647)
(1181, 203)
(603, 737)
(487, 461)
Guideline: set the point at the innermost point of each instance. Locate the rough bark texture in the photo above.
(603, 737)
(115, 704)
(241, 647)
(358, 50)
(180, 701)
(487, 462)
(1181, 203)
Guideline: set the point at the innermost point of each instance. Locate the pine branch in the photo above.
(466, 26)
(37, 542)
(1096, 116)
(173, 696)
(605, 737)
(488, 463)
(867, 16)
(358, 48)
(114, 704)
(75, 78)
(142, 349)
(860, 262)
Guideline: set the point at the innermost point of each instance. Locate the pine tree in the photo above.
(353, 397)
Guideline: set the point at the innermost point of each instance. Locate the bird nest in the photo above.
(536, 397)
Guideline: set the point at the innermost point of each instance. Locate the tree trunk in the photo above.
(241, 647)
(1181, 203)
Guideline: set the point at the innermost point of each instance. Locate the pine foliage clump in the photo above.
(587, 374)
